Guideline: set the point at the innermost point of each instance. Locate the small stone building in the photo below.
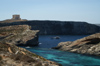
(16, 17)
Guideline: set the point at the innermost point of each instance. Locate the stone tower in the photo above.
(16, 17)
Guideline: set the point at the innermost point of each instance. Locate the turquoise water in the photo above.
(62, 57)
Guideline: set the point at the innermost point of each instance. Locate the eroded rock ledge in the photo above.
(19, 35)
(87, 45)
(11, 55)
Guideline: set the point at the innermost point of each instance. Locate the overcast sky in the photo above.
(63, 10)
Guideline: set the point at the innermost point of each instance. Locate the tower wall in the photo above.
(16, 17)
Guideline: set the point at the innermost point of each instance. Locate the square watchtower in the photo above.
(16, 17)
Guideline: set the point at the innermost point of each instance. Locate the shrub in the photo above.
(0, 58)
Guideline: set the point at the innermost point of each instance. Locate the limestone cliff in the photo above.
(19, 35)
(11, 55)
(87, 45)
(59, 27)
(97, 24)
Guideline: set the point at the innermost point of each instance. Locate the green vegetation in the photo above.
(39, 57)
(0, 58)
(3, 46)
(38, 64)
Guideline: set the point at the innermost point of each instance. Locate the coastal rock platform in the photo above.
(87, 45)
(11, 55)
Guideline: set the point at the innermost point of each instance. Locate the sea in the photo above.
(46, 42)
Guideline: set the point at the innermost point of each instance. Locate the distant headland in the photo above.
(53, 27)
(15, 18)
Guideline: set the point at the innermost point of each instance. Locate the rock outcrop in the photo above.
(11, 55)
(58, 27)
(19, 35)
(87, 45)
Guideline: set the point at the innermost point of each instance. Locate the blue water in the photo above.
(62, 57)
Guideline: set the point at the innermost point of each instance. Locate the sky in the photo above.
(63, 10)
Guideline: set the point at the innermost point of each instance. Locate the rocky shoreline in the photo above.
(88, 45)
(11, 55)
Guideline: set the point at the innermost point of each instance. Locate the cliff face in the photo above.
(97, 24)
(19, 35)
(87, 45)
(11, 55)
(59, 27)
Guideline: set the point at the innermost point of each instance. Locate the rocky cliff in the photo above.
(87, 45)
(97, 24)
(58, 27)
(11, 55)
(19, 35)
